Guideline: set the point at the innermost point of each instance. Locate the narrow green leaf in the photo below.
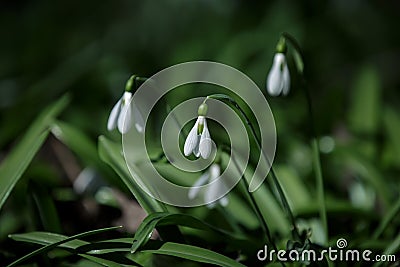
(46, 238)
(111, 154)
(389, 216)
(107, 246)
(77, 141)
(195, 254)
(298, 196)
(103, 262)
(49, 238)
(84, 147)
(46, 208)
(333, 207)
(148, 225)
(82, 248)
(12, 168)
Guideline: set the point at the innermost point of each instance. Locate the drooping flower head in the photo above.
(199, 140)
(213, 172)
(278, 80)
(121, 114)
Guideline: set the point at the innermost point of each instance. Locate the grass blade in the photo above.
(52, 245)
(162, 218)
(195, 254)
(19, 158)
(111, 154)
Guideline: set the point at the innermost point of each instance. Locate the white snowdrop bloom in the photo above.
(199, 140)
(278, 80)
(121, 115)
(213, 191)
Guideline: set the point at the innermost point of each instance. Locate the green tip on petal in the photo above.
(129, 84)
(203, 108)
(281, 46)
(200, 128)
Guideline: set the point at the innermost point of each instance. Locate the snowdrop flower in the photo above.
(199, 141)
(121, 114)
(278, 80)
(212, 193)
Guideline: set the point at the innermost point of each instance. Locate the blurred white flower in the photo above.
(278, 80)
(213, 172)
(361, 195)
(199, 140)
(121, 115)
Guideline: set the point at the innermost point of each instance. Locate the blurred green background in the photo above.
(90, 48)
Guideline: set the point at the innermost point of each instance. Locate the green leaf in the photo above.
(334, 207)
(195, 254)
(19, 158)
(111, 154)
(271, 211)
(84, 147)
(46, 238)
(148, 225)
(77, 141)
(46, 208)
(385, 221)
(50, 240)
(365, 109)
(101, 261)
(298, 196)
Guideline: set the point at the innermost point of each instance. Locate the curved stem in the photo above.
(298, 57)
(256, 208)
(282, 196)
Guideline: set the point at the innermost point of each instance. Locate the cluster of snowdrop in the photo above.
(198, 142)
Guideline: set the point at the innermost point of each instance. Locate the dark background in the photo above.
(90, 48)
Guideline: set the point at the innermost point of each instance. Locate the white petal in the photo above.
(216, 190)
(275, 76)
(205, 143)
(196, 150)
(113, 119)
(215, 171)
(211, 195)
(125, 118)
(192, 140)
(194, 190)
(286, 80)
(139, 122)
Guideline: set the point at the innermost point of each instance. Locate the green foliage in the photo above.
(14, 166)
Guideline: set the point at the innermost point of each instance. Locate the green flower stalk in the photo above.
(299, 63)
